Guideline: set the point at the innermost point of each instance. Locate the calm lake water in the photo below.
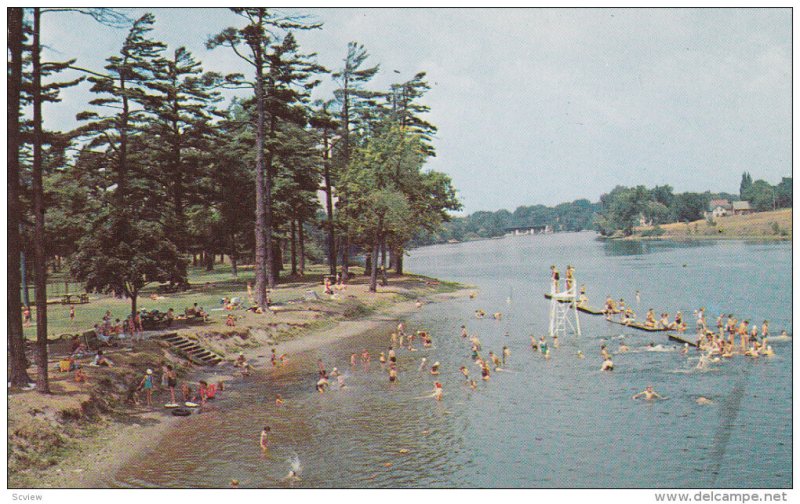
(544, 423)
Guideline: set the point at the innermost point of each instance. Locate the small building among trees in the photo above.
(742, 208)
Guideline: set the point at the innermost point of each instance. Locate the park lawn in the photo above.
(208, 287)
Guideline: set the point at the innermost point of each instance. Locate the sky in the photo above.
(538, 106)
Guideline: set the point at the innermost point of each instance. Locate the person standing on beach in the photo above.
(172, 382)
(392, 355)
(71, 313)
(147, 385)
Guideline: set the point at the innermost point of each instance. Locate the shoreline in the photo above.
(119, 440)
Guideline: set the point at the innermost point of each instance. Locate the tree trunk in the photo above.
(399, 266)
(346, 256)
(134, 297)
(301, 243)
(210, 256)
(368, 261)
(272, 273)
(384, 280)
(293, 242)
(234, 255)
(39, 258)
(16, 340)
(329, 205)
(26, 297)
(194, 259)
(261, 217)
(277, 258)
(373, 271)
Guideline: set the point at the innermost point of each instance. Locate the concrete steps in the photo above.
(193, 351)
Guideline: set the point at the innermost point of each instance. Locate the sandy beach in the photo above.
(115, 443)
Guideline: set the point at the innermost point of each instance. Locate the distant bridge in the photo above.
(528, 230)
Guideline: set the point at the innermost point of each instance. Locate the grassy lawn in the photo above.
(208, 287)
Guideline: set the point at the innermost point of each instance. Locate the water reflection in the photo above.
(642, 247)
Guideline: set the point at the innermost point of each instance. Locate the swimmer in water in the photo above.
(506, 354)
(555, 341)
(473, 384)
(648, 393)
(463, 331)
(580, 354)
(495, 360)
(703, 400)
(437, 391)
(352, 360)
(435, 368)
(322, 384)
(485, 371)
(498, 316)
(608, 365)
(292, 477)
(622, 347)
(278, 400)
(534, 344)
(422, 364)
(465, 372)
(480, 314)
(394, 339)
(604, 352)
(264, 442)
(382, 359)
(685, 349)
(392, 354)
(392, 373)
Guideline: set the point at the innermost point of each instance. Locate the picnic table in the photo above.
(75, 299)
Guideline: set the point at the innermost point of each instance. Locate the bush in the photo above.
(655, 231)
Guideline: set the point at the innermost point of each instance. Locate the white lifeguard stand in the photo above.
(561, 305)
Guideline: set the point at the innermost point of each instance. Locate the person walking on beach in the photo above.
(147, 385)
(71, 313)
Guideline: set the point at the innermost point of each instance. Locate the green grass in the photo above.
(221, 283)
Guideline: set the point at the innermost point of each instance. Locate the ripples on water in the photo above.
(556, 423)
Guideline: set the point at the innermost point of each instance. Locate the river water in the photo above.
(557, 423)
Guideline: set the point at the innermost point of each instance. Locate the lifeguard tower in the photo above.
(564, 311)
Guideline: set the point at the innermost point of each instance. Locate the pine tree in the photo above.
(275, 75)
(128, 247)
(18, 375)
(326, 125)
(352, 97)
(181, 102)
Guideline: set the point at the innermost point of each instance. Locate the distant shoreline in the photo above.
(771, 226)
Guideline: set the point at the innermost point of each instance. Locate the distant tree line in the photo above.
(575, 216)
(624, 208)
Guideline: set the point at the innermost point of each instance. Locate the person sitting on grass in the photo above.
(230, 321)
(81, 376)
(101, 360)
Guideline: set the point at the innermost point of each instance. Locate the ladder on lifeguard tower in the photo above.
(562, 304)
